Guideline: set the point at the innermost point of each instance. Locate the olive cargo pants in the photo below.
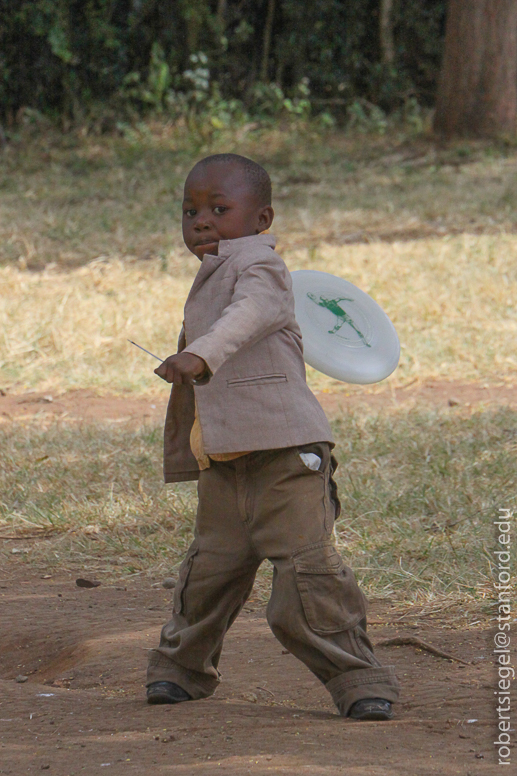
(269, 504)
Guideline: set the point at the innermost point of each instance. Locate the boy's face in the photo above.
(219, 204)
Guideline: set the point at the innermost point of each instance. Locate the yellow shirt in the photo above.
(198, 450)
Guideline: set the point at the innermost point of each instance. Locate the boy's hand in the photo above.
(182, 369)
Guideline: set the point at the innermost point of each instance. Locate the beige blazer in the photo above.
(239, 317)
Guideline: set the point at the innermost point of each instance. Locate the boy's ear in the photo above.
(265, 218)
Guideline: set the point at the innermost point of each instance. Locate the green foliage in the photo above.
(269, 100)
(68, 57)
(366, 117)
(153, 91)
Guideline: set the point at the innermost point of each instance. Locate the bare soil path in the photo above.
(87, 405)
(82, 709)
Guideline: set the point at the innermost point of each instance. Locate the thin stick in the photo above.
(23, 538)
(264, 689)
(146, 351)
(414, 641)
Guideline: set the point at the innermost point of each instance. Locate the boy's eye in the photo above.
(190, 212)
(219, 210)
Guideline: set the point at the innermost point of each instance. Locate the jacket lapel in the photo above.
(226, 248)
(208, 267)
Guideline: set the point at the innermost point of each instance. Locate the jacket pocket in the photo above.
(184, 573)
(243, 382)
(330, 595)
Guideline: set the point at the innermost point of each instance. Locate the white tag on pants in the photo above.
(311, 461)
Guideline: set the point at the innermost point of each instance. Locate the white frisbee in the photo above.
(346, 335)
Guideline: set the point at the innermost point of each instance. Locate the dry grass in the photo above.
(94, 498)
(420, 491)
(351, 205)
(69, 330)
(68, 200)
(452, 301)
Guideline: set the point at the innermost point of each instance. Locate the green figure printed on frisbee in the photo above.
(332, 305)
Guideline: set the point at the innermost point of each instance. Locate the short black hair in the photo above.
(256, 176)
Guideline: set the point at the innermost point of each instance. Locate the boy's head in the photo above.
(226, 196)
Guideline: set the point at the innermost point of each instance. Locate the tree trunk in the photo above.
(477, 95)
(266, 46)
(221, 14)
(386, 32)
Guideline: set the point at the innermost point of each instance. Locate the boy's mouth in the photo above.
(206, 246)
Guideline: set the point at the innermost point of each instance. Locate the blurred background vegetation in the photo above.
(102, 62)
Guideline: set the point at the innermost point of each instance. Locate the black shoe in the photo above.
(166, 692)
(371, 709)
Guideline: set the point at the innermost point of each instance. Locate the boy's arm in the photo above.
(259, 306)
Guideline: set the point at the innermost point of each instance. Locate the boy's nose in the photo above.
(202, 222)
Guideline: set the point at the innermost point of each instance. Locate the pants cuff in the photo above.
(162, 669)
(362, 683)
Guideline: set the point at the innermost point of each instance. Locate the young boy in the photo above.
(242, 420)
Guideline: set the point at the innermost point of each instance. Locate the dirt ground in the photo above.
(81, 708)
(87, 405)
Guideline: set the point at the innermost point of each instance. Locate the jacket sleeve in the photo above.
(182, 342)
(260, 305)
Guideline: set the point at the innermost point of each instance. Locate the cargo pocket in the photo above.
(330, 595)
(364, 646)
(181, 585)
